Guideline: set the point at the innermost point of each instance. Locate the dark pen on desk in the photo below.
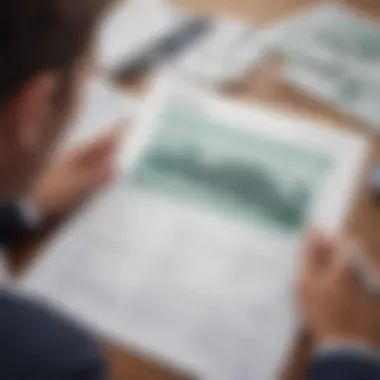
(168, 47)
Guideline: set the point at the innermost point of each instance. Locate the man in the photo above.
(45, 48)
(46, 54)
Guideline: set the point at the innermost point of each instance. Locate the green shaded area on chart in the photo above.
(242, 174)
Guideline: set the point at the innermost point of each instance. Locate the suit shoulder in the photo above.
(345, 366)
(40, 340)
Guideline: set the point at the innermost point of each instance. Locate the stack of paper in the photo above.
(192, 257)
(334, 54)
(142, 33)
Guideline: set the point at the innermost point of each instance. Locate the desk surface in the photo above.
(262, 86)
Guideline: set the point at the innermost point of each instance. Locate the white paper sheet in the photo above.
(190, 271)
(358, 97)
(225, 55)
(333, 34)
(104, 107)
(133, 28)
(333, 53)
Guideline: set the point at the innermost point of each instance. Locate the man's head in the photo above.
(45, 47)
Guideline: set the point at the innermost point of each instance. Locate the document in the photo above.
(354, 95)
(332, 34)
(333, 53)
(192, 256)
(134, 30)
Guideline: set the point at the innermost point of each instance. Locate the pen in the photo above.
(189, 31)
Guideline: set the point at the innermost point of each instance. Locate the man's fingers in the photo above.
(107, 142)
(102, 146)
(100, 175)
(317, 253)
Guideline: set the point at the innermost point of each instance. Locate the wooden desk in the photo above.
(262, 86)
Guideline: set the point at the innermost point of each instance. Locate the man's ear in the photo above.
(30, 110)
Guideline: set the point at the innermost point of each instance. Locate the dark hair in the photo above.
(42, 35)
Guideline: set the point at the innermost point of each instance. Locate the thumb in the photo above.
(317, 254)
(102, 147)
(100, 175)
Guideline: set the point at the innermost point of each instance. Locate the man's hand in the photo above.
(71, 179)
(334, 303)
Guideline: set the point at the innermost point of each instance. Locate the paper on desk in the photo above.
(356, 96)
(334, 54)
(130, 22)
(104, 106)
(133, 29)
(331, 34)
(224, 55)
(192, 256)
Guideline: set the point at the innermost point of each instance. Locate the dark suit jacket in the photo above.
(36, 343)
(344, 366)
(13, 226)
